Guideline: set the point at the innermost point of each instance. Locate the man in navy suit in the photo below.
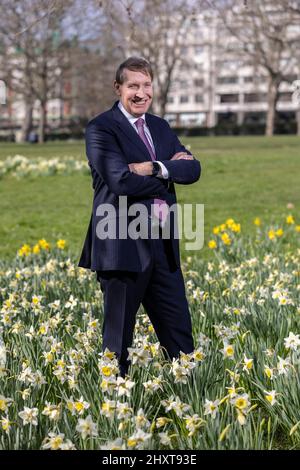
(136, 155)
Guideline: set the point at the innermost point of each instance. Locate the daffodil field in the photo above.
(239, 389)
(19, 166)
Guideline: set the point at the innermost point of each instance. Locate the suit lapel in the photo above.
(125, 126)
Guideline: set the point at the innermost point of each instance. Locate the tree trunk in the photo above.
(27, 123)
(163, 103)
(298, 121)
(272, 101)
(42, 122)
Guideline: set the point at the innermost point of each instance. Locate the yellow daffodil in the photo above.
(290, 219)
(25, 250)
(236, 228)
(44, 244)
(226, 239)
(61, 244)
(229, 222)
(36, 249)
(271, 234)
(257, 221)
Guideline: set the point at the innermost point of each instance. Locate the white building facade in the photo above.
(220, 86)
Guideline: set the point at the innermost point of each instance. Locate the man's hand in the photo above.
(145, 168)
(142, 169)
(182, 156)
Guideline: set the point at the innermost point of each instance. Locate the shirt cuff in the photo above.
(163, 171)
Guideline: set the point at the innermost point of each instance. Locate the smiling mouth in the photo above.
(139, 102)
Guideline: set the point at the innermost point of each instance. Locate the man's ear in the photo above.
(117, 87)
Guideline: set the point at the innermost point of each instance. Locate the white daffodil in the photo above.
(270, 396)
(5, 403)
(283, 366)
(108, 385)
(193, 423)
(269, 372)
(124, 411)
(247, 364)
(77, 407)
(176, 405)
(241, 402)
(140, 420)
(117, 444)
(154, 385)
(5, 424)
(108, 408)
(292, 341)
(140, 356)
(164, 438)
(52, 411)
(138, 439)
(53, 441)
(71, 303)
(124, 387)
(228, 351)
(86, 427)
(211, 408)
(29, 416)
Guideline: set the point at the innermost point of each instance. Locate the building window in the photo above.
(184, 99)
(229, 64)
(285, 96)
(248, 79)
(229, 98)
(290, 78)
(198, 50)
(255, 118)
(170, 99)
(198, 82)
(255, 97)
(227, 80)
(198, 98)
(227, 118)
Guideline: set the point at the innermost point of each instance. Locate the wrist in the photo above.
(155, 168)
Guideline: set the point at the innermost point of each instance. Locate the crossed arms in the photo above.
(135, 179)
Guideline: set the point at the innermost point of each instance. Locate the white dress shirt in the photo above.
(132, 119)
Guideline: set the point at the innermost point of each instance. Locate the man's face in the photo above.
(135, 93)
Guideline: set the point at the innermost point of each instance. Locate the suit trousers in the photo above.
(161, 290)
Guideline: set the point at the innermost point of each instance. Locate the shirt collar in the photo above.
(131, 119)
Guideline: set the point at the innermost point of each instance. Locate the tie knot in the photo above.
(139, 122)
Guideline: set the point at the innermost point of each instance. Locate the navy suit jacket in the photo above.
(111, 144)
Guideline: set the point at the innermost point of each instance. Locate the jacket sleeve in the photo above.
(106, 157)
(182, 171)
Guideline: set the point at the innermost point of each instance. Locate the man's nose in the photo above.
(140, 93)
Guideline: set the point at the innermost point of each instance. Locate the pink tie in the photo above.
(160, 206)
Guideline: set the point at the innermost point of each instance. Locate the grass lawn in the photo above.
(242, 177)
